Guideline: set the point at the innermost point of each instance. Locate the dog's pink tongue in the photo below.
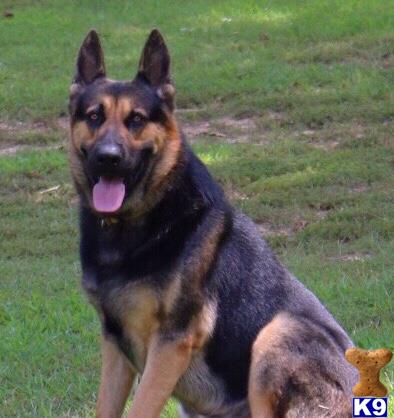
(108, 195)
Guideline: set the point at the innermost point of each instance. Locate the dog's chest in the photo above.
(132, 309)
(131, 315)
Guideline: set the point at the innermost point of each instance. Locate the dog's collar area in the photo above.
(108, 221)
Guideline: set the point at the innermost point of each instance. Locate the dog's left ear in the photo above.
(154, 66)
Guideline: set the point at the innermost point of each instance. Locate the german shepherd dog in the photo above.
(190, 297)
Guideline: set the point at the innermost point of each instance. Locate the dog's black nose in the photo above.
(109, 155)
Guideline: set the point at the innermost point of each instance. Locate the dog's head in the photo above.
(124, 138)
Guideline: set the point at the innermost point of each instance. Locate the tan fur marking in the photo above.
(205, 325)
(263, 404)
(141, 110)
(74, 89)
(92, 108)
(137, 307)
(117, 377)
(109, 106)
(76, 169)
(166, 363)
(206, 254)
(167, 91)
(143, 320)
(82, 135)
(163, 361)
(171, 294)
(123, 109)
(142, 201)
(170, 154)
(155, 133)
(274, 364)
(282, 324)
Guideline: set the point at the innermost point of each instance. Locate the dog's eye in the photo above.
(95, 118)
(135, 120)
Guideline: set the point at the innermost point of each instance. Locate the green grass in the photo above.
(317, 172)
(318, 61)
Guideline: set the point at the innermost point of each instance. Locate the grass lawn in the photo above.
(289, 103)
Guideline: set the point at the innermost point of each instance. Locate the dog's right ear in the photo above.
(90, 62)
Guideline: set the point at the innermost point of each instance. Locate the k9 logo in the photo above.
(369, 407)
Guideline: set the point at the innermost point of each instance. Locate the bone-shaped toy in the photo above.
(369, 364)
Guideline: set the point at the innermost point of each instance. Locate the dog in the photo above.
(190, 297)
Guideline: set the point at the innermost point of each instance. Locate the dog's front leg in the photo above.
(167, 361)
(117, 377)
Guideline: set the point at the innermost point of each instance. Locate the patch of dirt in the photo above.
(357, 131)
(299, 225)
(360, 188)
(63, 123)
(322, 214)
(353, 257)
(228, 129)
(326, 145)
(15, 137)
(21, 127)
(191, 110)
(268, 230)
(315, 140)
(272, 115)
(244, 124)
(195, 129)
(309, 132)
(331, 137)
(234, 194)
(384, 61)
(12, 150)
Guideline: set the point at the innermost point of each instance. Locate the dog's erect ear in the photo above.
(154, 67)
(155, 61)
(90, 62)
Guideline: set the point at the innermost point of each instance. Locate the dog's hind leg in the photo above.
(298, 370)
(117, 378)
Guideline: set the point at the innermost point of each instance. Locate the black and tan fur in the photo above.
(190, 297)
